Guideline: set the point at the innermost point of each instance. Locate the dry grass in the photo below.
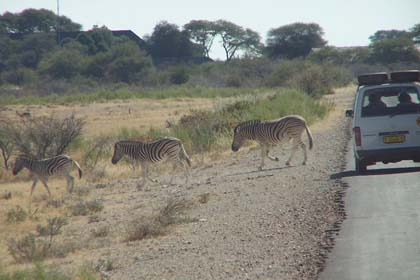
(110, 117)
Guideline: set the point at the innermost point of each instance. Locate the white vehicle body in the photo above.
(388, 134)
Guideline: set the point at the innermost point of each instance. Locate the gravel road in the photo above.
(272, 224)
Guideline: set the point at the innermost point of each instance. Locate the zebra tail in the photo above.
(79, 169)
(311, 139)
(185, 155)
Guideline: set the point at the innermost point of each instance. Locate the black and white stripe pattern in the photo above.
(268, 133)
(60, 165)
(167, 148)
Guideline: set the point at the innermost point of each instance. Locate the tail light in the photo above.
(357, 136)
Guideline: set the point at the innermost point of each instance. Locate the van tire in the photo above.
(360, 166)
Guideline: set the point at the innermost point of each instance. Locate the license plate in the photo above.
(394, 139)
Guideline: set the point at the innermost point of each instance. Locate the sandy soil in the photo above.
(272, 224)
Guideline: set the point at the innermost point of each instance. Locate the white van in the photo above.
(386, 118)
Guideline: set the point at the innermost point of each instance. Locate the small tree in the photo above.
(6, 144)
(43, 137)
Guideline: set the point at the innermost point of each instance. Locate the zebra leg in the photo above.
(44, 181)
(271, 157)
(33, 185)
(263, 154)
(187, 172)
(144, 174)
(305, 157)
(291, 155)
(70, 183)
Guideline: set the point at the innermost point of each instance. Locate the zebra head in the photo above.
(118, 153)
(20, 163)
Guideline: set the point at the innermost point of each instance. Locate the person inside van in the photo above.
(406, 105)
(375, 107)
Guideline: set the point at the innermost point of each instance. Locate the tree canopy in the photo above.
(394, 50)
(167, 41)
(33, 20)
(388, 34)
(234, 38)
(203, 33)
(294, 40)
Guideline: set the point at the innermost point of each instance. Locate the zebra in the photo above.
(268, 133)
(60, 165)
(169, 148)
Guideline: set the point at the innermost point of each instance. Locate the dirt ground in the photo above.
(241, 224)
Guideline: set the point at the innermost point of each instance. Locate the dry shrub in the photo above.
(16, 215)
(147, 227)
(101, 231)
(53, 226)
(28, 248)
(204, 198)
(144, 228)
(83, 208)
(171, 212)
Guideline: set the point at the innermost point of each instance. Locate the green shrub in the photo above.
(179, 76)
(37, 273)
(16, 215)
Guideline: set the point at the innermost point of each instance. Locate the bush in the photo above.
(53, 226)
(179, 76)
(63, 64)
(16, 215)
(19, 76)
(43, 137)
(147, 227)
(37, 273)
(28, 249)
(84, 208)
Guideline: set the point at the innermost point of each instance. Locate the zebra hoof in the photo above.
(287, 163)
(276, 159)
(304, 163)
(260, 168)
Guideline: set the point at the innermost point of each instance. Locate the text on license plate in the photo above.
(394, 139)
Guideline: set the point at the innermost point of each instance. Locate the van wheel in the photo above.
(360, 166)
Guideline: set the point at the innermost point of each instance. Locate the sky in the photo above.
(345, 22)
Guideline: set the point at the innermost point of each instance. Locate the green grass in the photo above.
(128, 93)
(40, 272)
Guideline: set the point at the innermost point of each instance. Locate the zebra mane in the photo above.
(125, 142)
(245, 124)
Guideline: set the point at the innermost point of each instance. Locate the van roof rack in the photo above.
(403, 76)
(373, 79)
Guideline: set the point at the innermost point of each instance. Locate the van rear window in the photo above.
(388, 101)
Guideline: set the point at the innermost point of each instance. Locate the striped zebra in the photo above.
(168, 148)
(268, 133)
(60, 165)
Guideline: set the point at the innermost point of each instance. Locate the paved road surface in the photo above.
(380, 238)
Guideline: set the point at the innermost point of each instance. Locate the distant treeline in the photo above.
(34, 52)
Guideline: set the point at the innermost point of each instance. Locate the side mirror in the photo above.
(350, 113)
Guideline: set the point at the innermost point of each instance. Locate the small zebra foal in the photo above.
(268, 133)
(60, 165)
(145, 153)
